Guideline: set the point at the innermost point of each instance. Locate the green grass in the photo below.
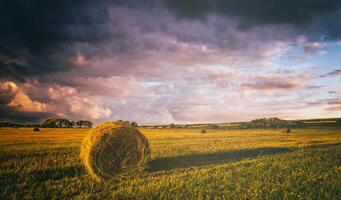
(221, 164)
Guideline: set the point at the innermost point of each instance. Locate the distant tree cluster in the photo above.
(51, 122)
(56, 123)
(83, 124)
(134, 124)
(267, 123)
(5, 123)
(65, 123)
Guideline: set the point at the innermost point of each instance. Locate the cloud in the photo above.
(7, 113)
(156, 61)
(334, 101)
(69, 102)
(13, 97)
(7, 92)
(17, 106)
(314, 47)
(334, 108)
(281, 80)
(58, 101)
(336, 72)
(331, 105)
(36, 37)
(23, 103)
(256, 11)
(272, 83)
(311, 18)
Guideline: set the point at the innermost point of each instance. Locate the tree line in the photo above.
(51, 122)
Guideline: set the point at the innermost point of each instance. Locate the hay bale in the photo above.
(288, 130)
(203, 131)
(36, 129)
(115, 149)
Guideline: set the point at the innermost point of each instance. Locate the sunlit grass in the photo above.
(243, 164)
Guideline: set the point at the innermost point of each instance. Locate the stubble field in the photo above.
(186, 164)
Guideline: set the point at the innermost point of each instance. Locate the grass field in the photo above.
(221, 164)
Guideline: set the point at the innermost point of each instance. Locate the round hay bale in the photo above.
(203, 131)
(115, 149)
(36, 129)
(287, 130)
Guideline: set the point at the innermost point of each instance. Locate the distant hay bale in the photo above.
(36, 129)
(203, 131)
(115, 149)
(288, 130)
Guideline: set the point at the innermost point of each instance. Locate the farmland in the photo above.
(186, 164)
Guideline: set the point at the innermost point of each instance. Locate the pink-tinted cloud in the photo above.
(68, 102)
(273, 83)
(280, 81)
(7, 92)
(15, 98)
(61, 101)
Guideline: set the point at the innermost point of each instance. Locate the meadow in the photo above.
(186, 164)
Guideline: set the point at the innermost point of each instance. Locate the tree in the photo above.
(172, 125)
(133, 124)
(56, 123)
(78, 123)
(5, 123)
(84, 124)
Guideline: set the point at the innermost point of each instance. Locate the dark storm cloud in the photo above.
(40, 25)
(41, 37)
(15, 116)
(256, 11)
(35, 36)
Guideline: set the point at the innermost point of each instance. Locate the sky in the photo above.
(166, 61)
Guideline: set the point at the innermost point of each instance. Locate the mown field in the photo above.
(221, 164)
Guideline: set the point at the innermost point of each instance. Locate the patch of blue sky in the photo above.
(323, 60)
(294, 59)
(149, 84)
(330, 60)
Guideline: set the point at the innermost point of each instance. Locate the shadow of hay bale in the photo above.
(194, 160)
(57, 174)
(8, 179)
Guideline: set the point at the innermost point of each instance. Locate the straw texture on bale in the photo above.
(115, 149)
